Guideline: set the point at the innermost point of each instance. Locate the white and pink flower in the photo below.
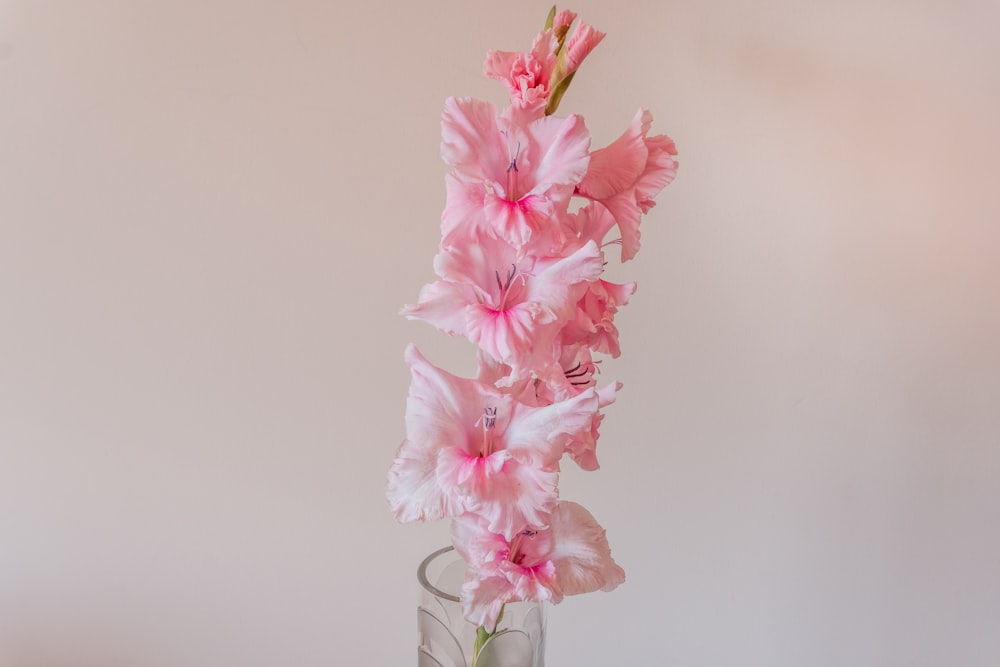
(471, 448)
(570, 556)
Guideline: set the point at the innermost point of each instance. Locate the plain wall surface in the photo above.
(211, 213)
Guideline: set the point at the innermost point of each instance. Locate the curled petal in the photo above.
(592, 222)
(661, 168)
(628, 215)
(581, 552)
(558, 284)
(616, 168)
(562, 20)
(516, 221)
(412, 489)
(491, 371)
(477, 546)
(483, 597)
(468, 475)
(511, 333)
(501, 569)
(583, 448)
(628, 174)
(518, 495)
(539, 582)
(583, 40)
(544, 433)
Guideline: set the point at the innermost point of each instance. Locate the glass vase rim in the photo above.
(422, 574)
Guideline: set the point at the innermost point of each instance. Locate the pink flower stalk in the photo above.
(569, 557)
(520, 275)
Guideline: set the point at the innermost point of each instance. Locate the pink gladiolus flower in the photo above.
(471, 448)
(511, 177)
(575, 373)
(572, 375)
(510, 308)
(526, 75)
(594, 324)
(531, 77)
(626, 176)
(570, 557)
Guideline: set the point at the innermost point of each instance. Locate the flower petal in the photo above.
(520, 494)
(581, 552)
(483, 597)
(556, 152)
(412, 489)
(542, 434)
(471, 141)
(616, 168)
(442, 305)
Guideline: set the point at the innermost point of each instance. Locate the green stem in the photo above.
(482, 635)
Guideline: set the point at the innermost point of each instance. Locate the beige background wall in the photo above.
(210, 213)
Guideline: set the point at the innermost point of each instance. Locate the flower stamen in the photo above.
(489, 422)
(512, 193)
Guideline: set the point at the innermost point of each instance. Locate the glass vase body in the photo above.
(446, 639)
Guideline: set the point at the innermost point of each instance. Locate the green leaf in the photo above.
(555, 97)
(551, 17)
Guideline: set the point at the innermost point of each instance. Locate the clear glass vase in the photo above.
(446, 639)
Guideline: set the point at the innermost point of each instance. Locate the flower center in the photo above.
(504, 284)
(515, 555)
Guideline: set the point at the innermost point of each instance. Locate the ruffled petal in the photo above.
(518, 495)
(615, 168)
(581, 552)
(627, 215)
(516, 221)
(592, 222)
(539, 582)
(583, 448)
(483, 596)
(558, 284)
(509, 334)
(660, 170)
(478, 547)
(542, 434)
(579, 45)
(412, 488)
